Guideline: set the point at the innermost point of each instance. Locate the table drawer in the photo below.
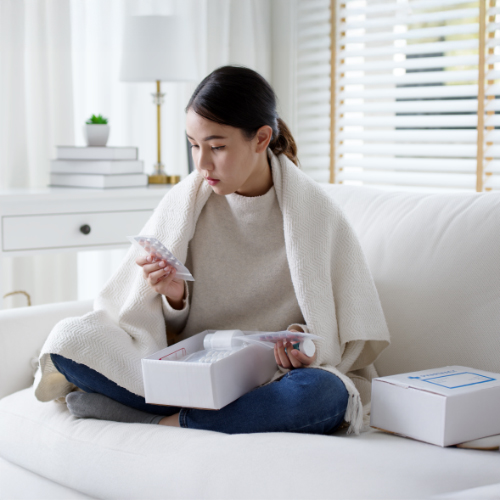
(30, 232)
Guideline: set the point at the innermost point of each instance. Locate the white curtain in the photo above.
(59, 63)
(36, 112)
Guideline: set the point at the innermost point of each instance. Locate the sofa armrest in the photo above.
(23, 331)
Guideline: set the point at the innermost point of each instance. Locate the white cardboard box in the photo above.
(208, 386)
(443, 406)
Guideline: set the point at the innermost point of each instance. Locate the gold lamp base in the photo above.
(159, 176)
(164, 179)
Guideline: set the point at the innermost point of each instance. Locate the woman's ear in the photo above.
(263, 136)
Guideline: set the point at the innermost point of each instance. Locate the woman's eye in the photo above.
(191, 146)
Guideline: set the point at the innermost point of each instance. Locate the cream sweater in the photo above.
(242, 277)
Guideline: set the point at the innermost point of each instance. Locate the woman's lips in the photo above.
(211, 181)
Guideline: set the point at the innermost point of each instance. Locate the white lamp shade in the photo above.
(157, 48)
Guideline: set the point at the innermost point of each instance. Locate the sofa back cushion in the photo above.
(23, 331)
(435, 259)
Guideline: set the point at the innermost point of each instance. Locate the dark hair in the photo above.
(242, 98)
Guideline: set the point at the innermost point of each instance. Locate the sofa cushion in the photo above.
(105, 459)
(23, 330)
(434, 259)
(17, 483)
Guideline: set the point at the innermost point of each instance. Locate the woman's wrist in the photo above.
(176, 304)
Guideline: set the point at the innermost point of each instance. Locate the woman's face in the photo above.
(222, 153)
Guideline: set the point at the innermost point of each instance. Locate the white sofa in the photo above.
(435, 261)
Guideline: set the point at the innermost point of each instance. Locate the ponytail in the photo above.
(284, 143)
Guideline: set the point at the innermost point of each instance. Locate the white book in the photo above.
(98, 180)
(96, 153)
(97, 166)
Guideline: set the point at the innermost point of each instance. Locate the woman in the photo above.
(241, 252)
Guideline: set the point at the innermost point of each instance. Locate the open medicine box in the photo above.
(170, 381)
(443, 406)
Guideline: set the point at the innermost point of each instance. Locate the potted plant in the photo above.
(96, 131)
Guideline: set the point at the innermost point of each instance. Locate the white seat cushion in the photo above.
(434, 259)
(135, 461)
(17, 483)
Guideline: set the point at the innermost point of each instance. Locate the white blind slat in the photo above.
(308, 31)
(314, 70)
(458, 136)
(412, 178)
(315, 123)
(313, 84)
(391, 7)
(311, 5)
(412, 19)
(409, 78)
(315, 43)
(429, 121)
(415, 63)
(448, 106)
(492, 182)
(411, 164)
(418, 92)
(312, 161)
(416, 150)
(314, 136)
(441, 31)
(421, 48)
(321, 96)
(312, 57)
(309, 110)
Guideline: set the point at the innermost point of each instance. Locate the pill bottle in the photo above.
(222, 339)
(306, 346)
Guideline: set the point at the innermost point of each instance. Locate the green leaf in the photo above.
(97, 120)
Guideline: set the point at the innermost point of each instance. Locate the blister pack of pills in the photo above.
(270, 338)
(222, 343)
(154, 247)
(211, 355)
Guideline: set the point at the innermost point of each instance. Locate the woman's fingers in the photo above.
(287, 361)
(292, 358)
(169, 275)
(148, 269)
(296, 362)
(156, 276)
(302, 358)
(141, 260)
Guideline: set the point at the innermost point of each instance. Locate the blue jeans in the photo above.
(305, 400)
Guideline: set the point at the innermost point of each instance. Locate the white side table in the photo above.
(34, 221)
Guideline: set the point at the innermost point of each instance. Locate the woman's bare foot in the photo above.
(172, 421)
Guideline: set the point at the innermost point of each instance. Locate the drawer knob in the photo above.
(85, 229)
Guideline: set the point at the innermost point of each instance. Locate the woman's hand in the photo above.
(293, 358)
(161, 277)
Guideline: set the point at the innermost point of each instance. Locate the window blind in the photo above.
(405, 95)
(313, 70)
(414, 94)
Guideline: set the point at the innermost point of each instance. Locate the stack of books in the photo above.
(97, 167)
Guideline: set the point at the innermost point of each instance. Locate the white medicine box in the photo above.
(170, 381)
(443, 406)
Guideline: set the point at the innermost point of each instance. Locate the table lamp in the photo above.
(158, 48)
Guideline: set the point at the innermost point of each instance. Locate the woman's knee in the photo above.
(75, 373)
(319, 389)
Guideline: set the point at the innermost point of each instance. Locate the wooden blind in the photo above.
(413, 95)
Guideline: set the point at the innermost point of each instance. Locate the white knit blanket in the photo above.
(334, 288)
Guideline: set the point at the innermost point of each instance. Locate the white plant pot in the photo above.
(96, 134)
